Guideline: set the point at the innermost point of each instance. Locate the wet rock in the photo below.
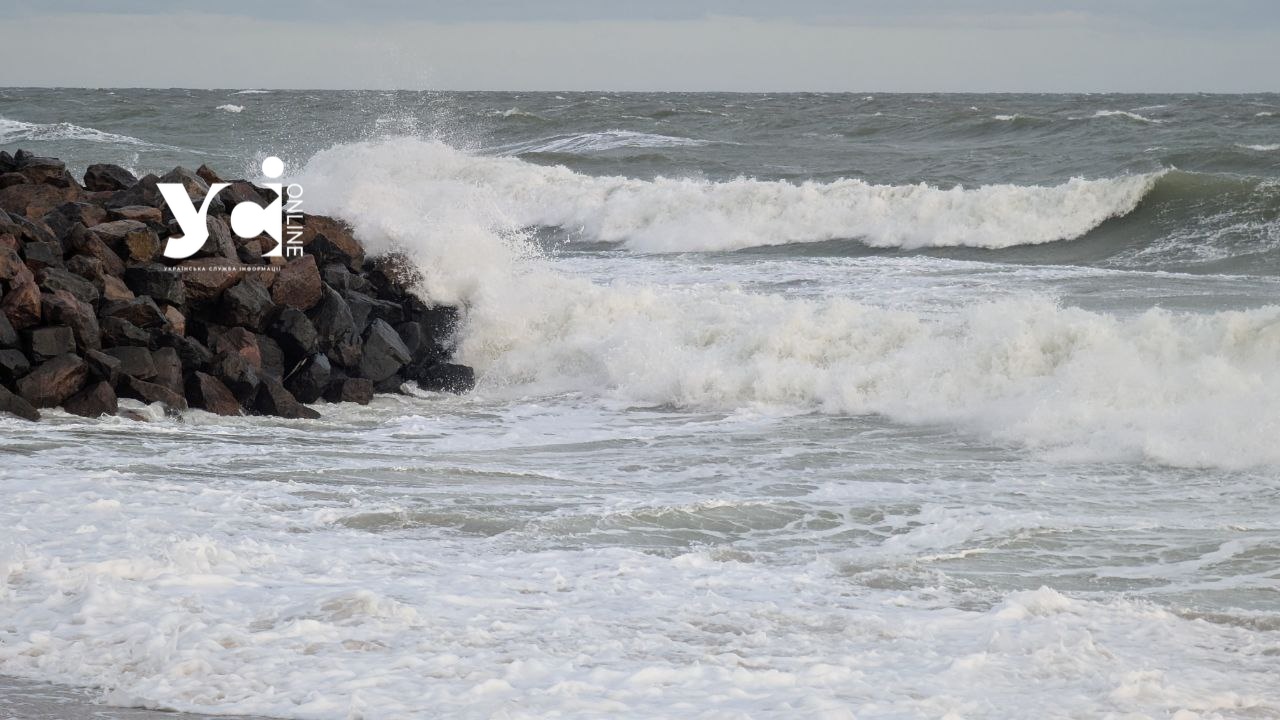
(207, 392)
(17, 406)
(52, 280)
(208, 174)
(62, 307)
(96, 400)
(104, 176)
(339, 276)
(298, 284)
(103, 367)
(442, 377)
(50, 342)
(274, 399)
(296, 334)
(241, 378)
(356, 390)
(192, 352)
(238, 341)
(273, 363)
(149, 392)
(135, 361)
(53, 381)
(336, 329)
(309, 381)
(161, 283)
(143, 192)
(141, 311)
(361, 309)
(384, 352)
(13, 365)
(168, 369)
(247, 304)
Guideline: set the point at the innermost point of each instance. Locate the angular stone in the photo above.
(115, 232)
(21, 304)
(238, 375)
(113, 289)
(221, 244)
(45, 170)
(103, 366)
(8, 336)
(296, 335)
(41, 255)
(86, 268)
(356, 390)
(52, 280)
(192, 352)
(336, 329)
(272, 357)
(239, 341)
(168, 369)
(104, 176)
(140, 213)
(174, 320)
(142, 246)
(135, 361)
(442, 377)
(142, 192)
(32, 200)
(298, 284)
(361, 309)
(384, 352)
(54, 381)
(141, 311)
(88, 243)
(207, 392)
(118, 331)
(62, 218)
(149, 392)
(331, 240)
(163, 284)
(247, 304)
(11, 264)
(309, 381)
(16, 406)
(208, 174)
(94, 401)
(274, 399)
(206, 279)
(62, 307)
(13, 365)
(50, 342)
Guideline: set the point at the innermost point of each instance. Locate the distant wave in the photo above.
(231, 108)
(1122, 114)
(17, 131)
(251, 92)
(1265, 113)
(1262, 148)
(597, 142)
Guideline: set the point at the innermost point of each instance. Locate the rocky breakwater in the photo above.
(92, 311)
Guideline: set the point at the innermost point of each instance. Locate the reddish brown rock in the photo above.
(33, 200)
(140, 213)
(54, 381)
(207, 392)
(113, 288)
(142, 245)
(174, 320)
(356, 390)
(150, 392)
(21, 304)
(64, 308)
(298, 284)
(238, 341)
(207, 278)
(274, 399)
(16, 406)
(96, 400)
(331, 240)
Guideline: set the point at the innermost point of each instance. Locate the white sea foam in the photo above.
(251, 92)
(231, 108)
(597, 142)
(1188, 390)
(1263, 148)
(12, 131)
(682, 214)
(1124, 114)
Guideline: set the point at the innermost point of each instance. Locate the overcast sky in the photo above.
(747, 45)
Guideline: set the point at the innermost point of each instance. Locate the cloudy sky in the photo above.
(746, 45)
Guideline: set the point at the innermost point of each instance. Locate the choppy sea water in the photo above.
(790, 405)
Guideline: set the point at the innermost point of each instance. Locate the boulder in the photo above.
(239, 341)
(13, 365)
(86, 242)
(241, 378)
(142, 192)
(11, 264)
(104, 176)
(21, 303)
(142, 246)
(96, 400)
(135, 361)
(208, 174)
(87, 268)
(116, 232)
(32, 200)
(53, 381)
(113, 288)
(149, 392)
(296, 334)
(141, 213)
(356, 390)
(168, 369)
(103, 366)
(8, 336)
(309, 381)
(163, 284)
(16, 406)
(62, 218)
(442, 377)
(384, 352)
(52, 280)
(141, 311)
(335, 328)
(41, 255)
(50, 342)
(175, 321)
(221, 244)
(273, 363)
(247, 304)
(331, 240)
(51, 171)
(62, 307)
(207, 278)
(274, 399)
(207, 392)
(298, 284)
(118, 331)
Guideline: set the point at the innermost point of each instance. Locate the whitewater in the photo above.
(770, 423)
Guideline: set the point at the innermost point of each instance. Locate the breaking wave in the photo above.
(596, 142)
(1195, 390)
(12, 131)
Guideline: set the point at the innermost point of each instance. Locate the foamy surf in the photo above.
(1183, 390)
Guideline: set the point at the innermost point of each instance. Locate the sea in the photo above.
(789, 406)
